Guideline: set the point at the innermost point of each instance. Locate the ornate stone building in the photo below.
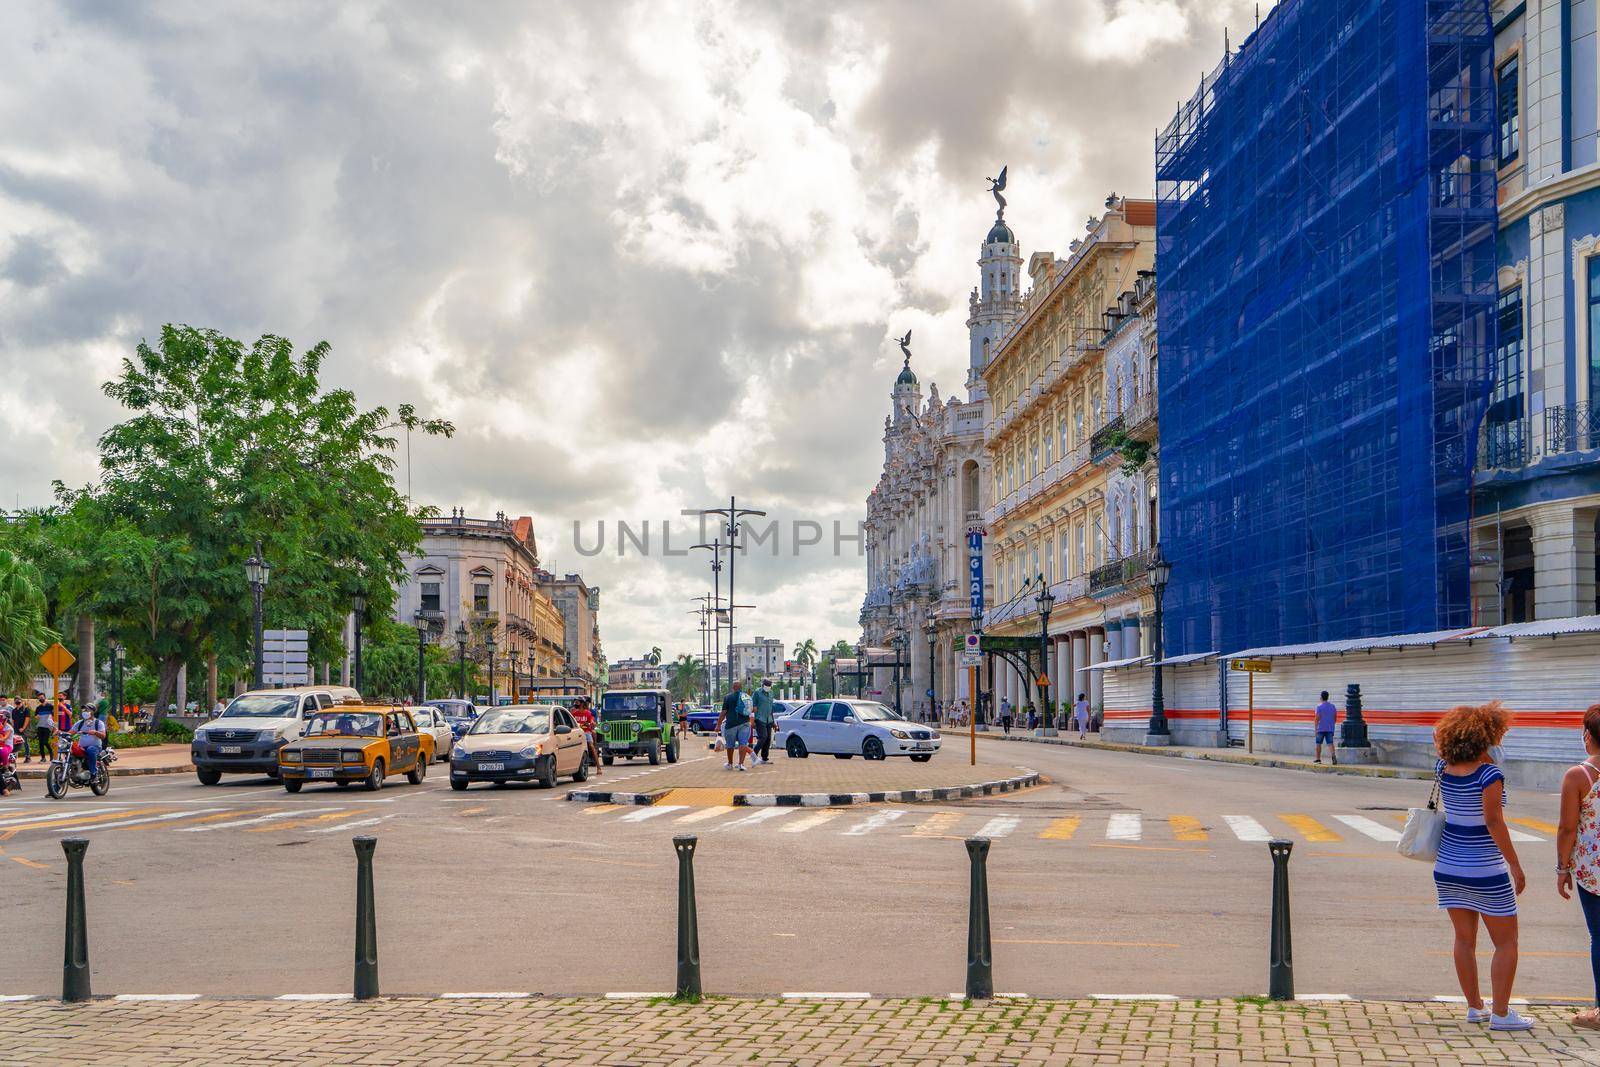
(931, 492)
(1069, 440)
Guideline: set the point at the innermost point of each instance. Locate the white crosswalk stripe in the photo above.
(651, 812)
(999, 826)
(760, 815)
(23, 820)
(1124, 826)
(705, 813)
(350, 825)
(875, 822)
(1246, 829)
(1375, 830)
(800, 826)
(1523, 835)
(135, 822)
(230, 824)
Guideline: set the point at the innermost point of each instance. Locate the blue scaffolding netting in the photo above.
(1326, 260)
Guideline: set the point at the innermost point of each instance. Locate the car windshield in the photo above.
(261, 706)
(873, 713)
(345, 724)
(622, 706)
(512, 722)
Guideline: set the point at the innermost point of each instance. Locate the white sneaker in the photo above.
(1510, 1021)
(727, 766)
(1477, 1015)
(740, 767)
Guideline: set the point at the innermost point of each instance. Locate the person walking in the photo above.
(1578, 849)
(17, 715)
(763, 710)
(1080, 713)
(1327, 716)
(1478, 875)
(1005, 714)
(733, 721)
(44, 728)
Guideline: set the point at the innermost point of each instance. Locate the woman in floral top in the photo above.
(1578, 848)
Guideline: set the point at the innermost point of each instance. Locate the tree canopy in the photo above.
(23, 633)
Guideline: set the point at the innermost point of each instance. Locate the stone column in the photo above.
(1563, 561)
(1080, 659)
(1097, 654)
(1147, 632)
(1488, 603)
(1113, 640)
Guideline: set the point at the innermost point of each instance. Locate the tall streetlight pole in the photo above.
(462, 636)
(114, 647)
(1046, 600)
(256, 571)
(1160, 733)
(511, 662)
(421, 620)
(489, 643)
(861, 665)
(358, 607)
(715, 548)
(532, 668)
(932, 630)
(898, 642)
(734, 515)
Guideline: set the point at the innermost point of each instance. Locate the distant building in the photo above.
(637, 674)
(579, 605)
(481, 575)
(761, 658)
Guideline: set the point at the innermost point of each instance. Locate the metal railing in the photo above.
(1555, 431)
(1119, 573)
(1101, 442)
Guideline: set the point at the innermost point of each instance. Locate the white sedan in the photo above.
(845, 728)
(430, 720)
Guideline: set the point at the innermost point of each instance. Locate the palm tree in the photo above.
(654, 658)
(805, 654)
(23, 633)
(685, 676)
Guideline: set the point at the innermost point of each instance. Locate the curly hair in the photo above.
(1466, 733)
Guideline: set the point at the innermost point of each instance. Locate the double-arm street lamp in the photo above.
(531, 672)
(734, 515)
(489, 643)
(256, 571)
(861, 665)
(1046, 600)
(463, 635)
(1159, 733)
(899, 645)
(117, 652)
(423, 623)
(358, 608)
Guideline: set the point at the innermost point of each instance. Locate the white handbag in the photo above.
(1424, 826)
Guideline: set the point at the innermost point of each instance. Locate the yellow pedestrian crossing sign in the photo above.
(56, 660)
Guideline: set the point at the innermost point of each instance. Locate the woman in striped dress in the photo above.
(1477, 874)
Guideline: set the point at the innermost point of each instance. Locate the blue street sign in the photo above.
(975, 571)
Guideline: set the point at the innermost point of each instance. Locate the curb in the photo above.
(1353, 769)
(591, 796)
(893, 796)
(27, 773)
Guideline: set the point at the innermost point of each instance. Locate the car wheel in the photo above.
(374, 781)
(547, 774)
(419, 770)
(796, 748)
(655, 753)
(672, 752)
(582, 773)
(872, 748)
(458, 785)
(208, 777)
(923, 758)
(294, 787)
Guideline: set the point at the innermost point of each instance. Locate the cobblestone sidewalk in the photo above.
(729, 1031)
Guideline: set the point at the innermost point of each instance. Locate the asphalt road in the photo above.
(1125, 874)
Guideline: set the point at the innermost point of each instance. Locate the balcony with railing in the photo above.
(1120, 575)
(1558, 431)
(1104, 440)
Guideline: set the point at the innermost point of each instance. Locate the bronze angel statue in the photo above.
(996, 186)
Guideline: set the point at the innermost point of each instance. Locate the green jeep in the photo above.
(637, 722)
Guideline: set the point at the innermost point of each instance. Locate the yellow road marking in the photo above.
(1309, 828)
(77, 820)
(290, 824)
(478, 811)
(202, 819)
(1542, 827)
(936, 825)
(1061, 829)
(698, 797)
(30, 863)
(1187, 828)
(592, 809)
(1106, 944)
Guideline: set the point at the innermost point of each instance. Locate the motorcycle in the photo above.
(67, 769)
(8, 774)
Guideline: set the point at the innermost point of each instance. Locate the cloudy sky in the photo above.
(643, 254)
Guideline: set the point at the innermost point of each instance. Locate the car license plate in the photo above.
(491, 766)
(230, 750)
(321, 772)
(923, 746)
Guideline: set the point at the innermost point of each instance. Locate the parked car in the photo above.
(430, 720)
(702, 720)
(246, 737)
(521, 743)
(636, 722)
(784, 708)
(458, 715)
(356, 743)
(846, 728)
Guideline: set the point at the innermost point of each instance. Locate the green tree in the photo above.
(228, 446)
(23, 633)
(389, 664)
(686, 677)
(653, 657)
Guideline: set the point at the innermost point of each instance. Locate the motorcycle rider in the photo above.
(91, 731)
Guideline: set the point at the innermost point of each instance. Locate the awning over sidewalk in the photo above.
(1113, 664)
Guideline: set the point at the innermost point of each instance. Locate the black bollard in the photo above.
(688, 919)
(75, 961)
(980, 957)
(1280, 971)
(366, 921)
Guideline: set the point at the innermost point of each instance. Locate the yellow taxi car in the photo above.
(356, 743)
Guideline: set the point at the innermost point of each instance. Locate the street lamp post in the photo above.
(1046, 600)
(933, 676)
(358, 605)
(114, 647)
(256, 571)
(489, 643)
(861, 666)
(899, 645)
(422, 646)
(1159, 733)
(122, 676)
(511, 664)
(462, 636)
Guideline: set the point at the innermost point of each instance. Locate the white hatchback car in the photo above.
(845, 728)
(430, 720)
